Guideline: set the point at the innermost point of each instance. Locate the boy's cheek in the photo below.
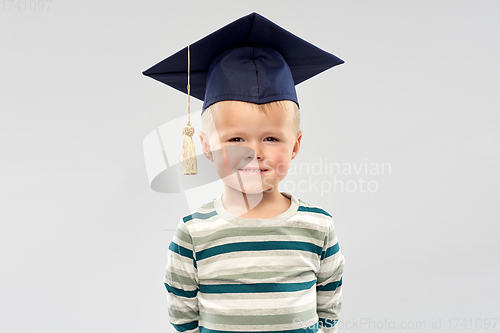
(231, 158)
(279, 163)
(220, 163)
(282, 169)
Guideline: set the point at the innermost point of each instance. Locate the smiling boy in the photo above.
(256, 142)
(253, 259)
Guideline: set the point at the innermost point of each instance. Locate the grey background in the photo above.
(83, 238)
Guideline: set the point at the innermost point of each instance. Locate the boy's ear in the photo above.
(296, 146)
(205, 146)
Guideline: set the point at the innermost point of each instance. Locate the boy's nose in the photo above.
(256, 152)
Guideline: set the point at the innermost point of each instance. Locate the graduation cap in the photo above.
(251, 59)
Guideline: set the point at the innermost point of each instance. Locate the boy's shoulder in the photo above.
(315, 210)
(203, 212)
(314, 214)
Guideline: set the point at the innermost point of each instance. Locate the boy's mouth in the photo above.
(252, 170)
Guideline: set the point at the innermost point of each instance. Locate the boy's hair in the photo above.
(209, 116)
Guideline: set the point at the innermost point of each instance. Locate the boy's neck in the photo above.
(264, 205)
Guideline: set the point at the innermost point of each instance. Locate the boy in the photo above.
(253, 259)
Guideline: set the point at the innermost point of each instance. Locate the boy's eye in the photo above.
(236, 140)
(270, 139)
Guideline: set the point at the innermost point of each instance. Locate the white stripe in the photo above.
(301, 300)
(199, 225)
(257, 259)
(260, 238)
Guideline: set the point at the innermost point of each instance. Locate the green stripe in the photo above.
(258, 246)
(331, 236)
(180, 250)
(180, 234)
(330, 251)
(271, 319)
(173, 277)
(255, 287)
(200, 216)
(185, 327)
(181, 292)
(263, 275)
(330, 286)
(328, 323)
(259, 231)
(190, 314)
(313, 210)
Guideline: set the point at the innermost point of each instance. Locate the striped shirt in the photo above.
(232, 274)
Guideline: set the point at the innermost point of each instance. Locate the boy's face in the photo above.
(251, 149)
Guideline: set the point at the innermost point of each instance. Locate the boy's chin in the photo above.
(249, 189)
(253, 192)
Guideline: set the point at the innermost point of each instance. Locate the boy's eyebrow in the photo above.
(275, 130)
(231, 132)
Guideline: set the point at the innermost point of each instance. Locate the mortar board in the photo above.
(251, 59)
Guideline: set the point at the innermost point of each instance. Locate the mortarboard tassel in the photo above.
(189, 163)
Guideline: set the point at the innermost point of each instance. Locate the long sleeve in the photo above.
(329, 282)
(181, 281)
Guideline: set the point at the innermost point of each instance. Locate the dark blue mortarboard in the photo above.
(251, 59)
